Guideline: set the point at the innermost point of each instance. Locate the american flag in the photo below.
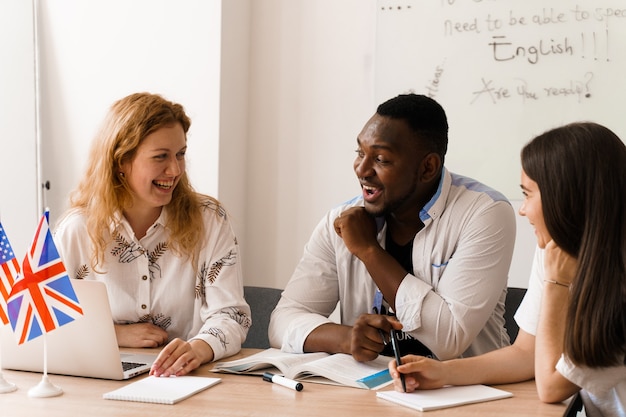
(9, 270)
(42, 298)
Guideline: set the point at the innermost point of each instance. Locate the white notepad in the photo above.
(161, 390)
(445, 397)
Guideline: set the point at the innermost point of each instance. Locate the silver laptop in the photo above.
(85, 347)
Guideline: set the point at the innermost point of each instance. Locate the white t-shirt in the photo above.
(527, 314)
(603, 390)
(148, 282)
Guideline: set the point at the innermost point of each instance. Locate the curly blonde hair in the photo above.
(101, 194)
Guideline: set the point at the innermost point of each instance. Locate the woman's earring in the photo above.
(122, 175)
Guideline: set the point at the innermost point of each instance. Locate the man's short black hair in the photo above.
(424, 116)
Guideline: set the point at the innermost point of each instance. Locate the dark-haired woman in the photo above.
(573, 318)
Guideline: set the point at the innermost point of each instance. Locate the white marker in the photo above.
(281, 380)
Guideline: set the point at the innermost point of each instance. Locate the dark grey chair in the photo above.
(262, 301)
(513, 299)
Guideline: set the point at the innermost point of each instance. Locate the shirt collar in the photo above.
(436, 204)
(432, 209)
(119, 221)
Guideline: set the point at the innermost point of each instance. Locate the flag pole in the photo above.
(5, 386)
(45, 388)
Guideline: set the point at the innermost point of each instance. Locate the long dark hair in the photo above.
(580, 169)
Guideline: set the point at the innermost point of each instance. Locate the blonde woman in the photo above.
(168, 255)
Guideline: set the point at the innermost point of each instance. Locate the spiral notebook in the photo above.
(161, 390)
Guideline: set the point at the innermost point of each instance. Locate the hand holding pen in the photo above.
(380, 331)
(393, 338)
(419, 372)
(369, 334)
(384, 327)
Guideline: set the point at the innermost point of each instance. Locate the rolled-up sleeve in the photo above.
(449, 314)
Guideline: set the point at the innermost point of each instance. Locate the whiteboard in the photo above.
(504, 71)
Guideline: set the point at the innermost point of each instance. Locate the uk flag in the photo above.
(42, 298)
(9, 270)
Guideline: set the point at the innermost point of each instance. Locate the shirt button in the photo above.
(143, 306)
(144, 277)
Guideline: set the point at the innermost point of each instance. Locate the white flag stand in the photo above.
(5, 386)
(45, 388)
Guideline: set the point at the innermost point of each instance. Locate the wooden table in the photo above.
(239, 395)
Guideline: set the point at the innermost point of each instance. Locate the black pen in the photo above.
(396, 352)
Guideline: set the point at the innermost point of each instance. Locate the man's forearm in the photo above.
(330, 338)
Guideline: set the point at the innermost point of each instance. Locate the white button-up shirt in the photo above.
(452, 302)
(149, 282)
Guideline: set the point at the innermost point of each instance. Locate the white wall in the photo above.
(234, 112)
(19, 186)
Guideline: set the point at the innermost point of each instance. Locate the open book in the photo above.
(449, 396)
(337, 369)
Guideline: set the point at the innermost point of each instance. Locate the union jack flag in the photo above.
(9, 270)
(42, 298)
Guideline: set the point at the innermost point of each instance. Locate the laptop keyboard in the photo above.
(131, 365)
